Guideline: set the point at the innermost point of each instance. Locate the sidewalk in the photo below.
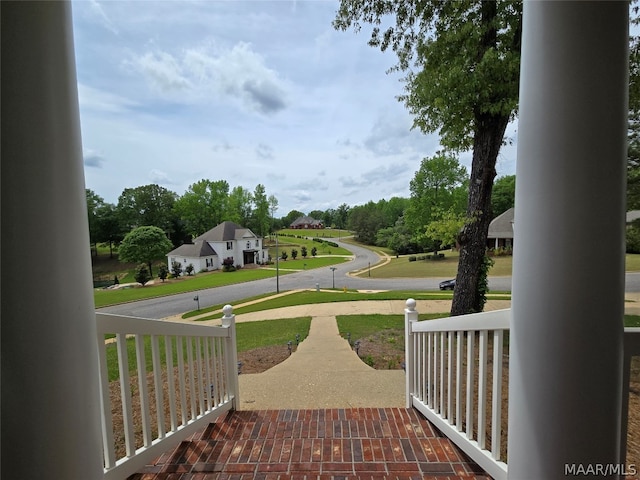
(325, 372)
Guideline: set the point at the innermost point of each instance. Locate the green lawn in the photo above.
(181, 285)
(310, 297)
(249, 335)
(403, 268)
(201, 281)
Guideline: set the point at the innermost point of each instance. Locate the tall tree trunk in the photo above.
(473, 237)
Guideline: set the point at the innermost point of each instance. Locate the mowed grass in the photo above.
(402, 268)
(181, 285)
(249, 335)
(310, 297)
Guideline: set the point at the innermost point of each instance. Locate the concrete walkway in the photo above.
(324, 372)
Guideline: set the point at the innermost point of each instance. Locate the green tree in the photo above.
(176, 269)
(303, 251)
(342, 216)
(203, 206)
(444, 228)
(108, 226)
(146, 245)
(289, 218)
(147, 205)
(142, 275)
(503, 196)
(239, 206)
(163, 272)
(273, 208)
(294, 253)
(438, 185)
(366, 220)
(260, 217)
(94, 203)
(463, 62)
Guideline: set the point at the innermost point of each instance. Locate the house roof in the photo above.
(306, 220)
(225, 232)
(502, 225)
(193, 250)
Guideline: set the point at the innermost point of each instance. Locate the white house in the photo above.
(227, 240)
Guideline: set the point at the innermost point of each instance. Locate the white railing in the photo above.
(454, 377)
(447, 380)
(186, 377)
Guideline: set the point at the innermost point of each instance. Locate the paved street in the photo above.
(177, 304)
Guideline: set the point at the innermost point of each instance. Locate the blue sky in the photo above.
(244, 91)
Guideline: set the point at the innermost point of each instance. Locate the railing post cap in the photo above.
(227, 310)
(411, 304)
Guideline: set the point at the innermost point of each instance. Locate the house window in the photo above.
(257, 243)
(229, 245)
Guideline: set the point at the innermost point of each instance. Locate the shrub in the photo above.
(294, 253)
(142, 275)
(176, 269)
(189, 269)
(284, 255)
(314, 251)
(163, 272)
(227, 265)
(412, 258)
(303, 251)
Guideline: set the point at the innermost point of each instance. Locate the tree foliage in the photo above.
(203, 206)
(145, 245)
(260, 218)
(462, 60)
(440, 184)
(444, 228)
(503, 196)
(147, 205)
(633, 155)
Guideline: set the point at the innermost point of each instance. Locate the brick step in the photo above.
(358, 443)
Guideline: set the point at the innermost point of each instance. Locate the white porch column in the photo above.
(50, 402)
(568, 273)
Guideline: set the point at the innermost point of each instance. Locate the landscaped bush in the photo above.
(189, 269)
(227, 265)
(163, 272)
(412, 258)
(176, 269)
(142, 275)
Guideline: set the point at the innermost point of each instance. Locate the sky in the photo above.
(251, 92)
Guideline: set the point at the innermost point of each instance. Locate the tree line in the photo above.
(405, 225)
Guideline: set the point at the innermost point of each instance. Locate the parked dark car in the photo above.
(448, 284)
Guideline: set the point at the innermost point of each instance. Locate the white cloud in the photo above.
(162, 70)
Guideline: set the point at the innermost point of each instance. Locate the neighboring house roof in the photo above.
(305, 220)
(192, 250)
(633, 215)
(502, 225)
(225, 232)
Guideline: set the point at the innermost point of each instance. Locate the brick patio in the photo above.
(358, 443)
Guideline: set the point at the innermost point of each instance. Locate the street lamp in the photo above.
(333, 274)
(197, 299)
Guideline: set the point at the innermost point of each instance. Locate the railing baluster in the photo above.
(459, 346)
(482, 389)
(143, 391)
(496, 405)
(450, 376)
(125, 394)
(209, 379)
(192, 392)
(105, 400)
(181, 378)
(200, 380)
(428, 357)
(470, 382)
(442, 383)
(158, 384)
(171, 383)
